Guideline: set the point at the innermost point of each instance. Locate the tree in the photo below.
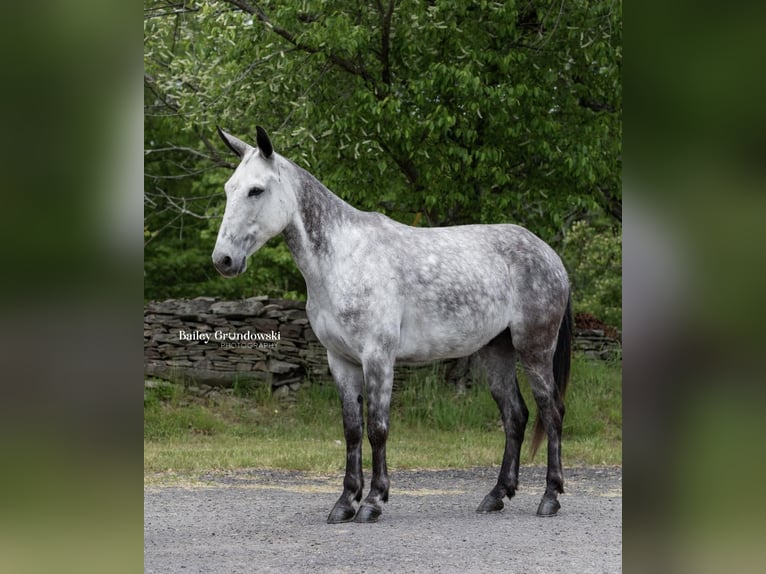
(435, 112)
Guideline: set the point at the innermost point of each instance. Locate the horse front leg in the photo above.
(349, 379)
(378, 378)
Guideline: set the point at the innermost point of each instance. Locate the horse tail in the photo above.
(561, 365)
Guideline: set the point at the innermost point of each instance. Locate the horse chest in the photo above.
(332, 332)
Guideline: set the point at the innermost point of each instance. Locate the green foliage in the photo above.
(183, 420)
(426, 403)
(433, 112)
(188, 272)
(593, 254)
(163, 392)
(594, 401)
(433, 426)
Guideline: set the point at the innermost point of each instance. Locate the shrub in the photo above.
(593, 256)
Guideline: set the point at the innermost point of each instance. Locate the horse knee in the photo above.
(353, 434)
(377, 432)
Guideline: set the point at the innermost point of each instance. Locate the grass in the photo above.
(432, 426)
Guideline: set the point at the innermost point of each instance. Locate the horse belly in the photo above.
(424, 339)
(452, 307)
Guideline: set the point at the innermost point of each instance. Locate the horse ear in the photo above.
(236, 145)
(264, 144)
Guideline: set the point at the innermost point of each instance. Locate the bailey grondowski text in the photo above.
(230, 338)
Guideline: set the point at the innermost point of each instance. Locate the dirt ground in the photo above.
(274, 521)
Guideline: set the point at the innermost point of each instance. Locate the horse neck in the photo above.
(310, 234)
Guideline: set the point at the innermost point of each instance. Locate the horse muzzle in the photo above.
(227, 265)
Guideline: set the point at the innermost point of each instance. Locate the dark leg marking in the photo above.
(349, 380)
(550, 407)
(499, 359)
(378, 377)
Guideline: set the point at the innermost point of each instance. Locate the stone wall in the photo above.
(206, 341)
(176, 345)
(597, 344)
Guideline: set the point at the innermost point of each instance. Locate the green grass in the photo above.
(432, 426)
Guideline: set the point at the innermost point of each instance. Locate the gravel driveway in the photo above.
(274, 521)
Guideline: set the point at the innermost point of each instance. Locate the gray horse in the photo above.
(381, 292)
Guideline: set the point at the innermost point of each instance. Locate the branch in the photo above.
(385, 39)
(179, 205)
(595, 106)
(406, 165)
(571, 217)
(168, 9)
(343, 63)
(544, 40)
(151, 83)
(613, 203)
(220, 161)
(187, 150)
(188, 173)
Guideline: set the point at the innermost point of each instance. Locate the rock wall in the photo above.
(219, 343)
(597, 344)
(227, 343)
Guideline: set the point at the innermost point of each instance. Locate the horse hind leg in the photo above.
(499, 360)
(550, 407)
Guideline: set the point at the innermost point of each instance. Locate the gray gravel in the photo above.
(274, 521)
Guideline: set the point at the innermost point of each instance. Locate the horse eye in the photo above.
(255, 191)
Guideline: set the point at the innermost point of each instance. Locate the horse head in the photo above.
(259, 203)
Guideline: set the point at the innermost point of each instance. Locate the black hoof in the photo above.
(548, 507)
(340, 514)
(367, 514)
(490, 504)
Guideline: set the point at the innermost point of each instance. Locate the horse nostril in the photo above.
(226, 261)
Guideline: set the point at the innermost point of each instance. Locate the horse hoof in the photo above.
(490, 504)
(548, 507)
(367, 514)
(340, 514)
